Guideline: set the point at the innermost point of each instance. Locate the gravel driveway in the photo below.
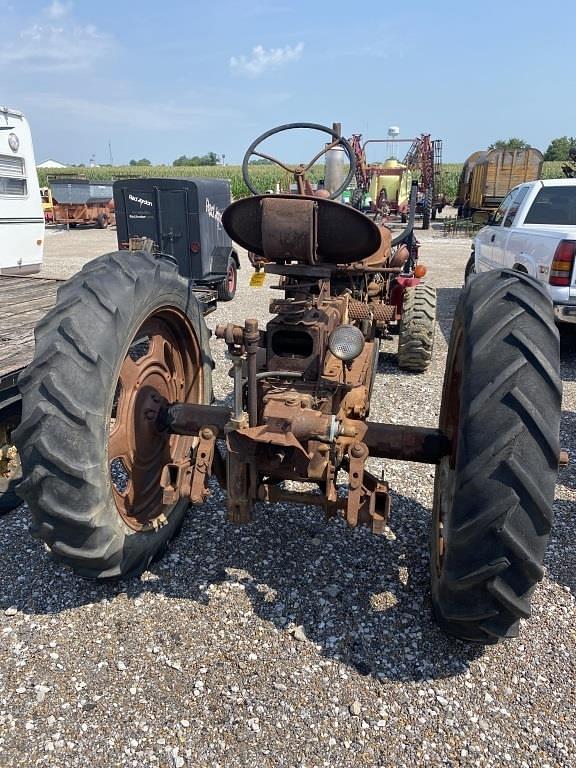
(289, 642)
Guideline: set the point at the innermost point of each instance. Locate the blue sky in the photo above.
(162, 79)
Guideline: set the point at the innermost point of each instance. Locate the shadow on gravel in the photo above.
(362, 599)
(447, 299)
(568, 354)
(567, 475)
(561, 555)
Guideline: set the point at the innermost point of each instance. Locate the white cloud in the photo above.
(54, 41)
(57, 9)
(263, 60)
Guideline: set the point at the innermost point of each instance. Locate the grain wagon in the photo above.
(82, 201)
(488, 176)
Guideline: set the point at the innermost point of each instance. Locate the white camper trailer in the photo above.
(21, 215)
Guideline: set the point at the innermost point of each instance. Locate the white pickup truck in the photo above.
(534, 231)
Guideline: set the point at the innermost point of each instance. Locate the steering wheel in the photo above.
(299, 171)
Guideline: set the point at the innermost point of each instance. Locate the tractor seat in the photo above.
(308, 230)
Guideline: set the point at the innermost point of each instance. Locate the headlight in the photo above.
(13, 142)
(346, 342)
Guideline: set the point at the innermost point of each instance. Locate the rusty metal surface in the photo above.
(299, 411)
(189, 418)
(289, 229)
(251, 343)
(359, 310)
(405, 443)
(203, 464)
(161, 366)
(344, 235)
(358, 454)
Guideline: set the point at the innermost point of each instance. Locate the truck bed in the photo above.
(23, 302)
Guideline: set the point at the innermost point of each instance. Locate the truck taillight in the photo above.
(563, 263)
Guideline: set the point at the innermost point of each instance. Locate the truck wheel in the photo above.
(470, 269)
(493, 495)
(102, 221)
(417, 326)
(227, 288)
(126, 333)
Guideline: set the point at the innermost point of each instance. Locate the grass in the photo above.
(264, 177)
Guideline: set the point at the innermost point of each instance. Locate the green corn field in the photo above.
(264, 177)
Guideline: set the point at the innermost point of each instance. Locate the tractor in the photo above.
(119, 434)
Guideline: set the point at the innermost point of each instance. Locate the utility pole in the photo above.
(110, 152)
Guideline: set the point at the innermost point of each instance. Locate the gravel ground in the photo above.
(289, 642)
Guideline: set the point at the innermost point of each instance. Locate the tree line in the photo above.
(210, 158)
(558, 149)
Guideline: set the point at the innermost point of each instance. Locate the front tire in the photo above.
(126, 333)
(493, 495)
(417, 327)
(227, 288)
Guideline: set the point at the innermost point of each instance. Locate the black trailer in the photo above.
(183, 219)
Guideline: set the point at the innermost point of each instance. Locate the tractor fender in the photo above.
(219, 260)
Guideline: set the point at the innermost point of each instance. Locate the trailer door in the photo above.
(140, 215)
(173, 226)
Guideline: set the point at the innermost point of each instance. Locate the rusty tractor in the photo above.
(119, 436)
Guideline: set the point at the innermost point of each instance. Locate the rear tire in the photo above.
(493, 496)
(417, 327)
(102, 221)
(227, 288)
(74, 403)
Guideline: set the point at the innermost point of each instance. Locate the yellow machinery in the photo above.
(47, 204)
(390, 185)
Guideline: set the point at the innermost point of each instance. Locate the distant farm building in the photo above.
(51, 164)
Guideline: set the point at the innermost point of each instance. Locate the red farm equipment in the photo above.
(388, 183)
